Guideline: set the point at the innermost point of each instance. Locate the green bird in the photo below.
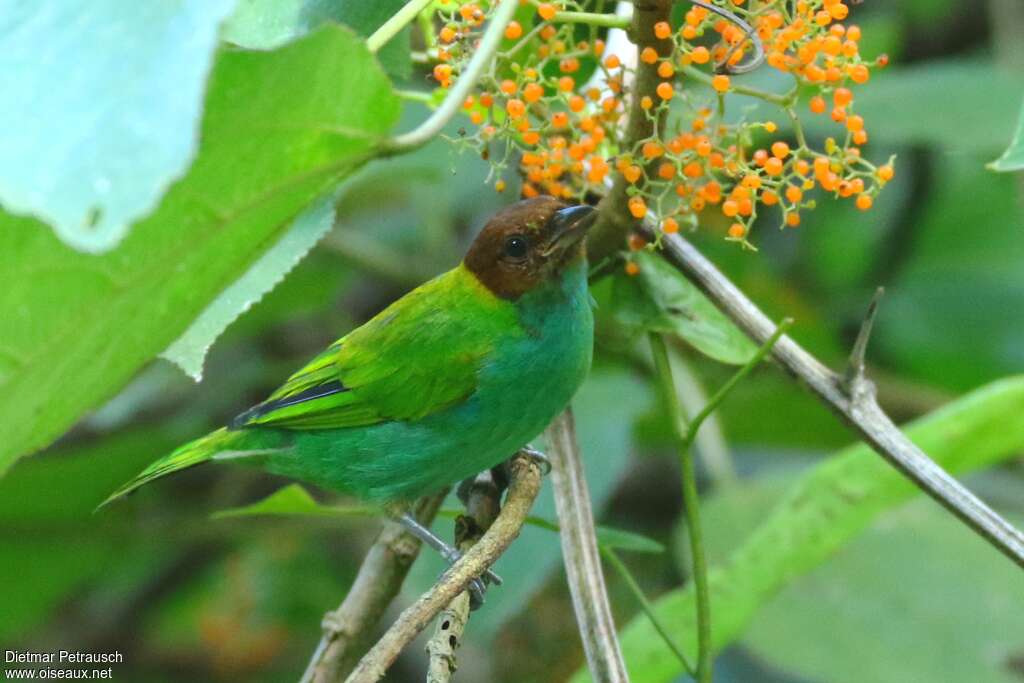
(450, 380)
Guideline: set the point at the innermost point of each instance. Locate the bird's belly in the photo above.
(518, 394)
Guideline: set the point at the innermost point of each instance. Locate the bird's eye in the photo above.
(516, 248)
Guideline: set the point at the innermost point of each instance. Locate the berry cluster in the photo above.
(557, 102)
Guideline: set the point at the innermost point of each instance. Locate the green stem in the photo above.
(592, 19)
(425, 19)
(416, 96)
(691, 508)
(645, 605)
(704, 78)
(465, 83)
(390, 28)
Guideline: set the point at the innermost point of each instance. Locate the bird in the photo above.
(448, 381)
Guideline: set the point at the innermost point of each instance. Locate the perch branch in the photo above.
(857, 408)
(581, 556)
(483, 503)
(379, 579)
(523, 488)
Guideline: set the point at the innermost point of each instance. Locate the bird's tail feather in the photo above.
(189, 455)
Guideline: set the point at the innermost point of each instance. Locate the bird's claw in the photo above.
(538, 457)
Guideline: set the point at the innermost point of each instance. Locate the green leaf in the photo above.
(265, 24)
(281, 128)
(823, 511)
(189, 350)
(915, 599)
(1013, 157)
(294, 500)
(660, 299)
(101, 106)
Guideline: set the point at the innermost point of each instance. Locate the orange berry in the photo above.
(752, 181)
(559, 119)
(773, 166)
(693, 170)
(769, 198)
(886, 172)
(513, 30)
(532, 92)
(632, 269)
(569, 65)
(839, 11)
(858, 73)
(662, 30)
(648, 55)
(855, 123)
(700, 55)
(632, 173)
(720, 82)
(443, 74)
(853, 33)
(612, 62)
(499, 186)
(447, 34)
(576, 103)
(793, 194)
(817, 104)
(842, 97)
(793, 219)
(737, 231)
(508, 87)
(770, 126)
(637, 207)
(780, 149)
(531, 137)
(515, 108)
(730, 208)
(546, 10)
(646, 102)
(636, 242)
(665, 70)
(670, 226)
(667, 170)
(864, 202)
(664, 90)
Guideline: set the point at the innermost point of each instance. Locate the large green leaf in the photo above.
(659, 298)
(280, 129)
(885, 623)
(824, 510)
(265, 24)
(1013, 158)
(101, 103)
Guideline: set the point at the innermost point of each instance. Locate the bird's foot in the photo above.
(478, 586)
(538, 457)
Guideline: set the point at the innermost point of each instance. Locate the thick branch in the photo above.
(609, 233)
(523, 488)
(380, 577)
(857, 406)
(581, 556)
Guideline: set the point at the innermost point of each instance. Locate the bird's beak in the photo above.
(569, 226)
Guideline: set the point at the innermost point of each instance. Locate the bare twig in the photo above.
(380, 577)
(464, 84)
(523, 488)
(483, 503)
(860, 409)
(581, 556)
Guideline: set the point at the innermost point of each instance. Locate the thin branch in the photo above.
(691, 507)
(465, 82)
(390, 28)
(523, 488)
(483, 503)
(861, 411)
(592, 19)
(580, 553)
(380, 577)
(648, 609)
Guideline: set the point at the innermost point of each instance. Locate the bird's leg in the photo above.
(478, 586)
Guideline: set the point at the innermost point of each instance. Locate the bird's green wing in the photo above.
(420, 355)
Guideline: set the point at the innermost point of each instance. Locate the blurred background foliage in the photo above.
(913, 598)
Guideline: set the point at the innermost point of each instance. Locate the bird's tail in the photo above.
(220, 442)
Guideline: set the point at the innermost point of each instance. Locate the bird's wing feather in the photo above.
(418, 356)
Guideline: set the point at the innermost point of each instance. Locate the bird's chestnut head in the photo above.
(527, 243)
